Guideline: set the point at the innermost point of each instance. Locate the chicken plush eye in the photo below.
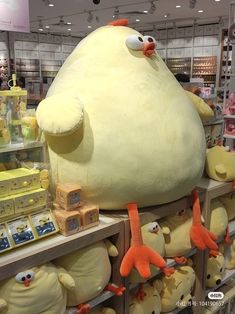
(135, 42)
(149, 39)
(153, 227)
(20, 277)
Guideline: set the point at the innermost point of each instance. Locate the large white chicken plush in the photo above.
(117, 121)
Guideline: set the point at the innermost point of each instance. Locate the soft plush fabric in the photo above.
(140, 133)
(152, 237)
(90, 268)
(149, 303)
(215, 270)
(219, 218)
(228, 201)
(178, 242)
(204, 111)
(220, 164)
(177, 289)
(45, 294)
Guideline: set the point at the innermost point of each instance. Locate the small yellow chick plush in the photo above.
(219, 218)
(150, 302)
(215, 270)
(86, 266)
(36, 291)
(176, 292)
(220, 164)
(228, 201)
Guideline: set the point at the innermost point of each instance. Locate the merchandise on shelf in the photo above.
(68, 195)
(230, 261)
(146, 300)
(228, 201)
(81, 149)
(37, 290)
(176, 292)
(69, 222)
(219, 218)
(87, 266)
(29, 126)
(89, 216)
(220, 164)
(229, 108)
(215, 270)
(179, 65)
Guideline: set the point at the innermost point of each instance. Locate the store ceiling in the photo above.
(44, 17)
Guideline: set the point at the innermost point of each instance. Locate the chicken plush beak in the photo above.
(27, 282)
(149, 49)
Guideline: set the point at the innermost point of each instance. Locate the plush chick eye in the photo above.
(149, 39)
(135, 42)
(27, 275)
(208, 276)
(153, 227)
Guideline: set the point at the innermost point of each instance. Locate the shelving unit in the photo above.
(205, 67)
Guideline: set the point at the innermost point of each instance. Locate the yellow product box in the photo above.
(23, 180)
(44, 223)
(5, 180)
(29, 201)
(21, 231)
(5, 243)
(6, 207)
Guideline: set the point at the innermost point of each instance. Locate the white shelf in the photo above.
(94, 302)
(45, 250)
(232, 116)
(21, 146)
(229, 136)
(229, 274)
(213, 122)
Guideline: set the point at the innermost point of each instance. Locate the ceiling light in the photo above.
(200, 11)
(90, 17)
(40, 29)
(152, 8)
(178, 6)
(145, 11)
(69, 29)
(166, 15)
(217, 0)
(137, 20)
(47, 26)
(68, 23)
(40, 26)
(89, 26)
(51, 4)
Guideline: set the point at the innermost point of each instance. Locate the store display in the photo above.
(179, 65)
(228, 201)
(5, 243)
(219, 218)
(21, 231)
(215, 270)
(205, 67)
(29, 126)
(177, 289)
(220, 164)
(147, 300)
(38, 290)
(87, 266)
(89, 216)
(153, 237)
(44, 223)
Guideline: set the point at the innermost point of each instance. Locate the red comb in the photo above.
(120, 22)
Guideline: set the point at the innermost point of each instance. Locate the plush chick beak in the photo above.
(149, 49)
(27, 282)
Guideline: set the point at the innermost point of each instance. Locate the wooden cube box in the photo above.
(89, 216)
(69, 222)
(68, 195)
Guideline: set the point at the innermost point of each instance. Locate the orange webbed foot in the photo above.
(117, 290)
(203, 238)
(83, 308)
(140, 257)
(140, 294)
(168, 271)
(213, 253)
(180, 260)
